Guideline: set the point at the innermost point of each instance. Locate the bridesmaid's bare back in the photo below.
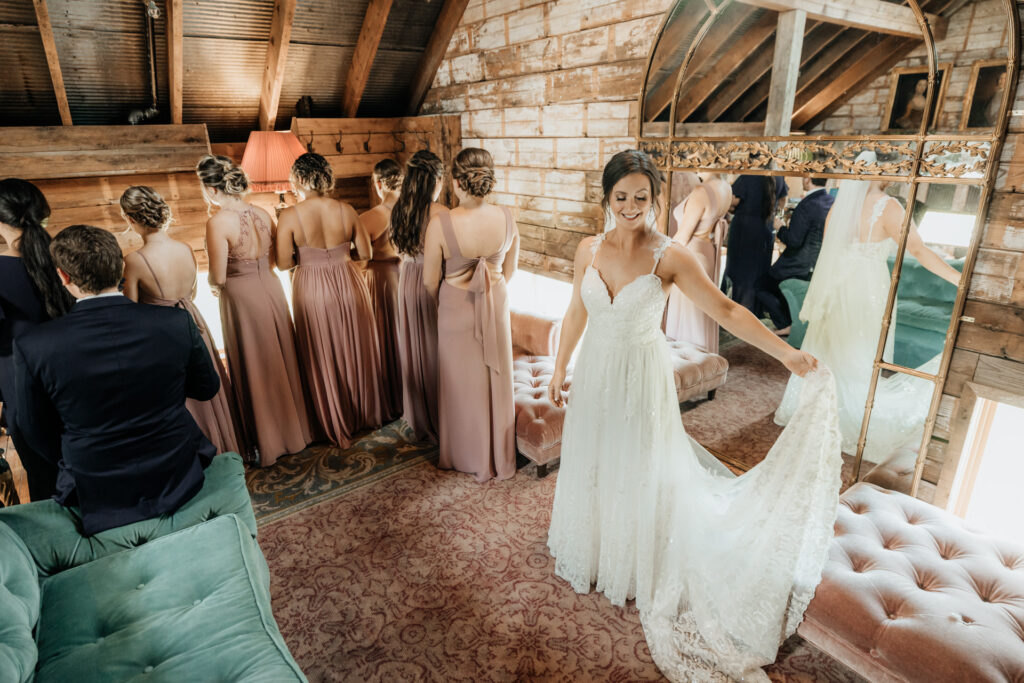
(165, 269)
(479, 232)
(320, 223)
(377, 222)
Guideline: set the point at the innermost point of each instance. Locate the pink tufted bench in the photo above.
(912, 593)
(539, 422)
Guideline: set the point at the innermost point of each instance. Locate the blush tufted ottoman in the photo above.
(539, 422)
(912, 593)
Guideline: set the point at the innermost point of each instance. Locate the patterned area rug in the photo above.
(322, 472)
(426, 575)
(737, 426)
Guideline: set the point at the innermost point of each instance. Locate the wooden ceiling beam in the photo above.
(726, 25)
(175, 57)
(52, 60)
(694, 94)
(835, 60)
(869, 66)
(668, 58)
(277, 57)
(447, 21)
(818, 37)
(870, 15)
(789, 43)
(362, 59)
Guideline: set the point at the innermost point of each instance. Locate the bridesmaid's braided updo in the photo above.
(389, 174)
(220, 173)
(409, 218)
(144, 206)
(314, 172)
(473, 170)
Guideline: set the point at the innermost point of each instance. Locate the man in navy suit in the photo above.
(102, 391)
(802, 238)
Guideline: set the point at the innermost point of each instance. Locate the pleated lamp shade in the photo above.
(268, 159)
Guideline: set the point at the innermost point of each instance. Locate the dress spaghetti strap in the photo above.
(159, 289)
(449, 234)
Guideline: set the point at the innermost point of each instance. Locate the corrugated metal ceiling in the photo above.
(104, 60)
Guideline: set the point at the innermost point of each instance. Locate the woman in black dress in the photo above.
(30, 293)
(751, 236)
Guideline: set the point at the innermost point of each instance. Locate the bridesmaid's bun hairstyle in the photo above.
(220, 173)
(389, 174)
(423, 172)
(313, 172)
(144, 206)
(628, 162)
(473, 170)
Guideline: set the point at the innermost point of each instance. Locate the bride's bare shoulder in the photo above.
(676, 259)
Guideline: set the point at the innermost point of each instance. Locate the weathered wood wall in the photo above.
(549, 88)
(83, 170)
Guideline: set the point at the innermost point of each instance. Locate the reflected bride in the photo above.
(721, 567)
(845, 303)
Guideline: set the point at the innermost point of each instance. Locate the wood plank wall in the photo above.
(549, 89)
(83, 170)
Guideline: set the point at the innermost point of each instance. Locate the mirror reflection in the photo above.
(896, 426)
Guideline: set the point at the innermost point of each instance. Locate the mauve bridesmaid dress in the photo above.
(337, 341)
(260, 345)
(417, 349)
(382, 280)
(216, 417)
(477, 412)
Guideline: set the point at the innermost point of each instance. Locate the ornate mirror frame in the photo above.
(953, 158)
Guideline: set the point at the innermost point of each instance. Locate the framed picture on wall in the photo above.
(984, 94)
(908, 86)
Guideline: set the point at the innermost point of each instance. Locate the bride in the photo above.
(721, 567)
(844, 306)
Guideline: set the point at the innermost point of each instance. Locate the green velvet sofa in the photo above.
(181, 597)
(923, 308)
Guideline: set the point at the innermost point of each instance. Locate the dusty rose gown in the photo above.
(475, 358)
(417, 348)
(337, 341)
(260, 344)
(216, 417)
(683, 320)
(382, 279)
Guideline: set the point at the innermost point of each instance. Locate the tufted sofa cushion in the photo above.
(53, 533)
(19, 608)
(191, 606)
(534, 334)
(911, 593)
(696, 372)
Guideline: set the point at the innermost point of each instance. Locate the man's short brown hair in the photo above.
(90, 256)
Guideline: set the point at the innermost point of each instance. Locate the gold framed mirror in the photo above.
(789, 89)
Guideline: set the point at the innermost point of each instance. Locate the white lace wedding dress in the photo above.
(721, 567)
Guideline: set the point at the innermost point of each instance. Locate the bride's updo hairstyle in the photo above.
(628, 162)
(409, 218)
(144, 206)
(473, 170)
(220, 173)
(313, 173)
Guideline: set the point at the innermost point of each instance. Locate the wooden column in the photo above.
(277, 56)
(52, 61)
(789, 41)
(362, 59)
(175, 57)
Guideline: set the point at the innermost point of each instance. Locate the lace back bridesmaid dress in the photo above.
(216, 417)
(477, 413)
(260, 344)
(337, 341)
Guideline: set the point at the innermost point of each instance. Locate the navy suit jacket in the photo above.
(803, 237)
(101, 392)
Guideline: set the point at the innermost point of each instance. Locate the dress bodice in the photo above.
(250, 226)
(878, 250)
(634, 315)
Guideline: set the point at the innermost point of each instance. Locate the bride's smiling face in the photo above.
(630, 201)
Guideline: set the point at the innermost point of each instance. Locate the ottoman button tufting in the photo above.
(147, 670)
(195, 603)
(140, 586)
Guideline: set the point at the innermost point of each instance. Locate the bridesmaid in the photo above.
(258, 335)
(700, 221)
(30, 293)
(417, 310)
(163, 273)
(479, 246)
(334, 325)
(382, 274)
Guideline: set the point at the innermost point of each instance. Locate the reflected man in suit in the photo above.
(802, 238)
(103, 391)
